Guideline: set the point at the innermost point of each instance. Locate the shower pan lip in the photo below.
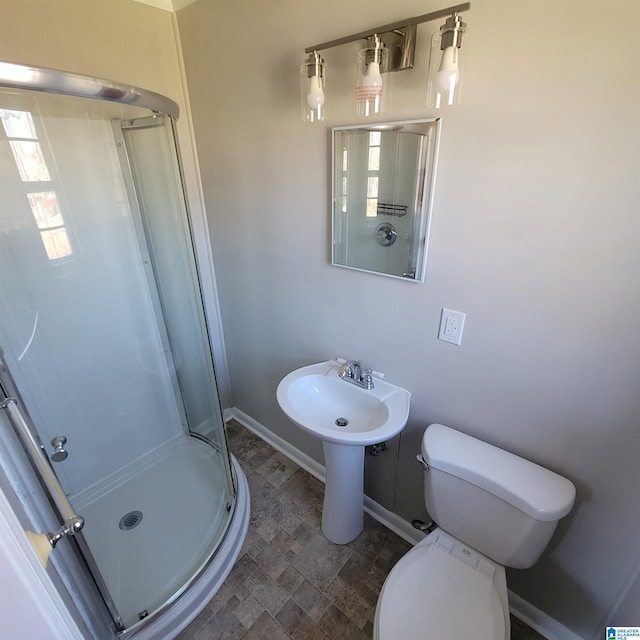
(48, 80)
(176, 614)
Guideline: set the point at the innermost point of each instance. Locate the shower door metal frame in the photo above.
(19, 76)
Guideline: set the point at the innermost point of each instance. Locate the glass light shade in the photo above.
(312, 97)
(444, 88)
(372, 84)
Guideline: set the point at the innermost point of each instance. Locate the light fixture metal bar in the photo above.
(426, 17)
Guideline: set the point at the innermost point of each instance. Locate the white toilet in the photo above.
(493, 509)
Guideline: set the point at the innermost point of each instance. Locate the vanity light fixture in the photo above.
(390, 47)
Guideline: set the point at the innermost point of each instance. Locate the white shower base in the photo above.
(180, 491)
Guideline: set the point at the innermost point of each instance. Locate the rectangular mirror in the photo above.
(383, 178)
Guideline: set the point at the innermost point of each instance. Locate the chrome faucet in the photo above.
(352, 371)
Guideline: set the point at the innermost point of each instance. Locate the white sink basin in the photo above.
(317, 400)
(346, 418)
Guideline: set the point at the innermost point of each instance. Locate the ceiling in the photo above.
(167, 5)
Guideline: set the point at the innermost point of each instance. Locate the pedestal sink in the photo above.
(346, 418)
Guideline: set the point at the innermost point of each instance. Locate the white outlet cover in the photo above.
(451, 326)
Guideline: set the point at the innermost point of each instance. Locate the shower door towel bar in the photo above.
(72, 523)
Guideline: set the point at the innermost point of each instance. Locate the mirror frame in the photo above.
(424, 176)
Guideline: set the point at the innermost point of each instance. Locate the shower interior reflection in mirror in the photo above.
(383, 182)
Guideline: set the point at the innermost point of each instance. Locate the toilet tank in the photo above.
(496, 502)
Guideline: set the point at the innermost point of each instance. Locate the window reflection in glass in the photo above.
(20, 130)
(29, 160)
(18, 124)
(344, 194)
(372, 187)
(56, 243)
(48, 217)
(45, 209)
(374, 158)
(373, 167)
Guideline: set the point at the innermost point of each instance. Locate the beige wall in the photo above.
(115, 39)
(535, 237)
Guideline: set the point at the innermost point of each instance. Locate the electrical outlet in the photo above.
(451, 326)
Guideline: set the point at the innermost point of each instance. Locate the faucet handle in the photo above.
(367, 378)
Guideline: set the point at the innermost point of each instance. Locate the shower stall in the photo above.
(111, 429)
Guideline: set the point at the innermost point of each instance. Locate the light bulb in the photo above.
(373, 78)
(315, 97)
(371, 89)
(370, 96)
(448, 73)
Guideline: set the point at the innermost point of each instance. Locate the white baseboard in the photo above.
(389, 519)
(393, 521)
(536, 619)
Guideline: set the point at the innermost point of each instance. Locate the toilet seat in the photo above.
(441, 589)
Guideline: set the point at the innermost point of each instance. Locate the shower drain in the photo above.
(130, 520)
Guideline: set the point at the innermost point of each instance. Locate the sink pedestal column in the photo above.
(343, 509)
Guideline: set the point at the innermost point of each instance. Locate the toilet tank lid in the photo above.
(538, 492)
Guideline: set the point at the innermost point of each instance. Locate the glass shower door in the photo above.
(102, 327)
(147, 148)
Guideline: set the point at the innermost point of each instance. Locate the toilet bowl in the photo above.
(493, 509)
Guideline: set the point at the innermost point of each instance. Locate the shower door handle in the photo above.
(59, 452)
(72, 523)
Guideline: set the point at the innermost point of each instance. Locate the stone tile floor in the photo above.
(289, 582)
